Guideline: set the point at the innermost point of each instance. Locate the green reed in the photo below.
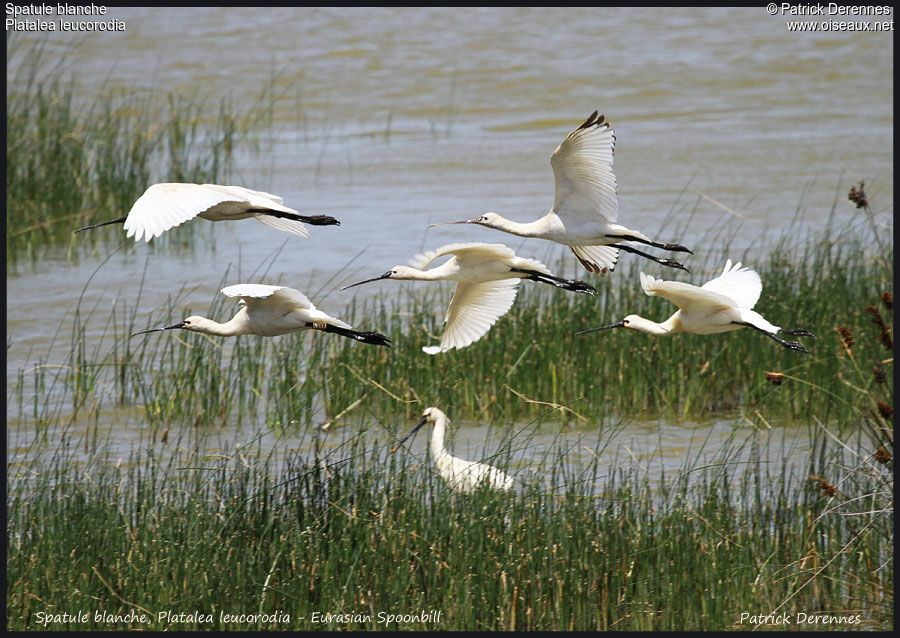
(359, 531)
(72, 161)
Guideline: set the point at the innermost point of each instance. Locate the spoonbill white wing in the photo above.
(741, 284)
(275, 296)
(688, 297)
(488, 251)
(471, 254)
(279, 300)
(164, 206)
(261, 199)
(597, 258)
(585, 182)
(475, 307)
(256, 199)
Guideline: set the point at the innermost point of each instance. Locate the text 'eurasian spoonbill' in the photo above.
(164, 206)
(461, 475)
(270, 311)
(720, 305)
(487, 276)
(585, 208)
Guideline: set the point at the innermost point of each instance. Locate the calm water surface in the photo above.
(391, 119)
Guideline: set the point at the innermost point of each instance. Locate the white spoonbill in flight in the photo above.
(461, 475)
(585, 208)
(270, 311)
(487, 276)
(164, 206)
(720, 305)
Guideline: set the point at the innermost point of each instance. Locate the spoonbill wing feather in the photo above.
(582, 168)
(267, 201)
(741, 284)
(686, 296)
(279, 300)
(256, 199)
(476, 251)
(273, 295)
(166, 205)
(597, 258)
(475, 307)
(288, 225)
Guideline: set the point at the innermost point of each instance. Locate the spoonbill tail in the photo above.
(270, 311)
(720, 305)
(461, 475)
(585, 208)
(487, 276)
(164, 206)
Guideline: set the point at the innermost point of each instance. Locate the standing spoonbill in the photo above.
(585, 208)
(164, 206)
(487, 276)
(270, 311)
(720, 305)
(461, 475)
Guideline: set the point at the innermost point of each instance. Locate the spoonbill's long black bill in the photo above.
(465, 221)
(618, 324)
(143, 332)
(417, 427)
(359, 283)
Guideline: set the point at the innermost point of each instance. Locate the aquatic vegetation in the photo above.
(71, 161)
(360, 531)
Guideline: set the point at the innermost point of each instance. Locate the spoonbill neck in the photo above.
(541, 228)
(437, 438)
(667, 327)
(237, 325)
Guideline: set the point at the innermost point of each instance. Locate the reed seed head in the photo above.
(888, 299)
(857, 195)
(775, 378)
(883, 456)
(885, 410)
(824, 485)
(846, 336)
(879, 374)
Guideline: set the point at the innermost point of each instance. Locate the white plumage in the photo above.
(722, 304)
(487, 277)
(462, 475)
(167, 205)
(585, 208)
(271, 311)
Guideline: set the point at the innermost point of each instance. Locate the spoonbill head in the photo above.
(164, 206)
(271, 311)
(487, 277)
(585, 209)
(721, 304)
(462, 476)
